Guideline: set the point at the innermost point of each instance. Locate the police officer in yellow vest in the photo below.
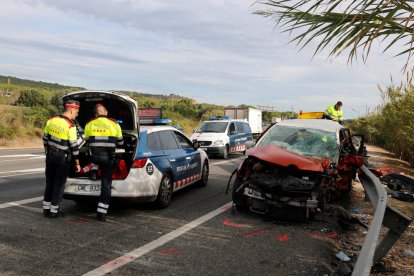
(334, 112)
(103, 135)
(60, 143)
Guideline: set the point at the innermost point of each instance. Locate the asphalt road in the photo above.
(199, 234)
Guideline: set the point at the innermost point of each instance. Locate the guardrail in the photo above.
(396, 222)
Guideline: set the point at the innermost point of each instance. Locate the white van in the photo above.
(221, 136)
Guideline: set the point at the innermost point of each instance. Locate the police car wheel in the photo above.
(164, 192)
(204, 175)
(226, 152)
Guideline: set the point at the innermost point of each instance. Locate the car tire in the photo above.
(164, 192)
(204, 175)
(239, 199)
(226, 152)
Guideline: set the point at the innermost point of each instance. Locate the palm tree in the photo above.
(346, 24)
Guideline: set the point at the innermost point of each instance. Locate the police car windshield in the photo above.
(303, 141)
(213, 127)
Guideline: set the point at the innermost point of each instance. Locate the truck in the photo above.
(252, 115)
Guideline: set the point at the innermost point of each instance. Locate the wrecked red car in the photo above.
(296, 167)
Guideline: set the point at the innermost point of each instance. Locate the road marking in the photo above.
(20, 202)
(227, 161)
(131, 256)
(22, 172)
(25, 159)
(22, 155)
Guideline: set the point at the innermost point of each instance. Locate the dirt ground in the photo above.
(401, 257)
(21, 143)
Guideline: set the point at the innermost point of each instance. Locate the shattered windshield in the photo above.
(303, 141)
(218, 127)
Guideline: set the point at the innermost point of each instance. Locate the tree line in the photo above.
(28, 104)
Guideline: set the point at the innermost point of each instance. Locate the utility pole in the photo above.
(8, 87)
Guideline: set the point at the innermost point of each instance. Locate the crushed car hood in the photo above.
(278, 156)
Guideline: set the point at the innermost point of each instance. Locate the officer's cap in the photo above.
(72, 104)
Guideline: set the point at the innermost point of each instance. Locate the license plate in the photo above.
(205, 149)
(89, 188)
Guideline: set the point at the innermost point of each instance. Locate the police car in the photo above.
(222, 135)
(154, 162)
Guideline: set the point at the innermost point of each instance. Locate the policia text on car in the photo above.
(103, 135)
(60, 143)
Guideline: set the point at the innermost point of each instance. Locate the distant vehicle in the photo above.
(276, 120)
(222, 136)
(297, 166)
(252, 115)
(150, 166)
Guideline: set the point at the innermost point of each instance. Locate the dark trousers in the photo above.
(105, 159)
(328, 117)
(56, 172)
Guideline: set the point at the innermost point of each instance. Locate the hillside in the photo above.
(25, 105)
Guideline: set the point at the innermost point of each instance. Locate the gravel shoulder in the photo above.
(401, 257)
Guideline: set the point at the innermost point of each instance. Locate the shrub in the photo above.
(31, 98)
(392, 127)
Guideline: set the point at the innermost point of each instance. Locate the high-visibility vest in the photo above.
(336, 115)
(60, 133)
(103, 132)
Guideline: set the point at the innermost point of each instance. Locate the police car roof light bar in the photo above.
(220, 117)
(155, 121)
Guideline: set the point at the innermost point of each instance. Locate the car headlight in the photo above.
(218, 142)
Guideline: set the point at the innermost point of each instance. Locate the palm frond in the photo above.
(346, 25)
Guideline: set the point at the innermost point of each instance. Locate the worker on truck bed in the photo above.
(334, 112)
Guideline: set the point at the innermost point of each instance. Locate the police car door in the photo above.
(175, 155)
(232, 136)
(192, 158)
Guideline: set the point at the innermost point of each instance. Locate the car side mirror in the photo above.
(249, 144)
(196, 145)
(357, 142)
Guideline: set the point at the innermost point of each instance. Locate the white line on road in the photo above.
(25, 159)
(227, 161)
(22, 155)
(23, 172)
(129, 257)
(20, 202)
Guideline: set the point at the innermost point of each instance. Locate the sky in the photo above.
(214, 51)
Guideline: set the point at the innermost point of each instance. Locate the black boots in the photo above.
(101, 216)
(46, 212)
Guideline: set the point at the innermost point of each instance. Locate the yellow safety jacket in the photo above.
(336, 115)
(60, 133)
(103, 132)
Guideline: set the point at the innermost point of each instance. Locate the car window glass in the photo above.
(307, 142)
(167, 140)
(239, 127)
(182, 141)
(246, 128)
(232, 128)
(217, 127)
(153, 141)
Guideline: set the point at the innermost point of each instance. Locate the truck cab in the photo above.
(221, 136)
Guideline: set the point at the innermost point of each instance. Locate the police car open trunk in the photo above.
(121, 108)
